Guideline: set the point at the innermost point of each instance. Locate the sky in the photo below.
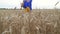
(36, 4)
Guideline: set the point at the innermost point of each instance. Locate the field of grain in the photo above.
(43, 21)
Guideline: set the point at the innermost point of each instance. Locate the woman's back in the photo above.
(27, 3)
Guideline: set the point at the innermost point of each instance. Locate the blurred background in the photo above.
(36, 4)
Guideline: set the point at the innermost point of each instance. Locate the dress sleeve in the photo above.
(30, 0)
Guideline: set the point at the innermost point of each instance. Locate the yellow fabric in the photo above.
(27, 9)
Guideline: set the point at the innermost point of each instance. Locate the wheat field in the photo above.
(43, 21)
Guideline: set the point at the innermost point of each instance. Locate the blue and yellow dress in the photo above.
(27, 4)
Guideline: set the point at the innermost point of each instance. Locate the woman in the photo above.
(27, 4)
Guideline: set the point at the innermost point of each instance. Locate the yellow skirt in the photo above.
(27, 10)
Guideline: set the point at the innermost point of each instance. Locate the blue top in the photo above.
(28, 4)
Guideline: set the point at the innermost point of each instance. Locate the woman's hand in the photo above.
(22, 4)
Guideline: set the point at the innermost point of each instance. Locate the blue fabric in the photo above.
(28, 4)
